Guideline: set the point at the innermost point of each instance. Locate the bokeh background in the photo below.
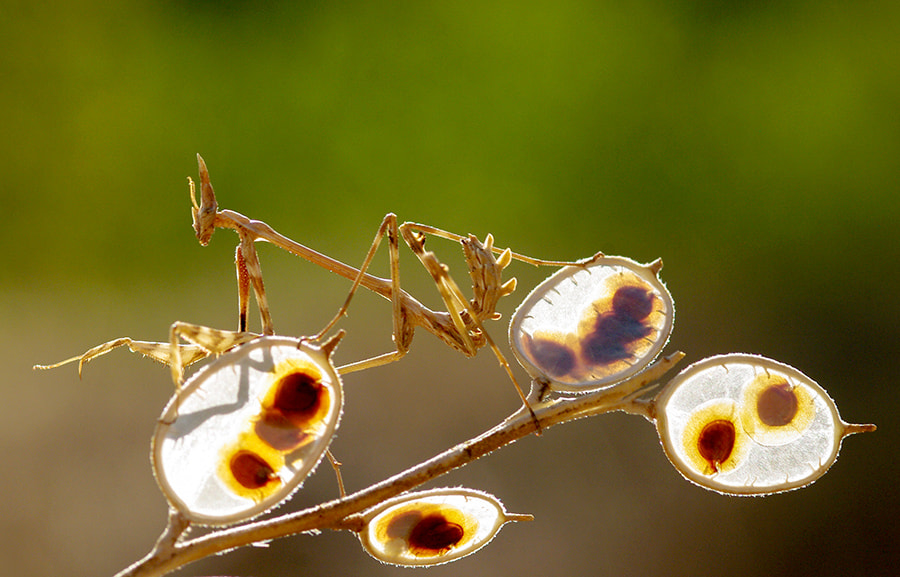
(752, 145)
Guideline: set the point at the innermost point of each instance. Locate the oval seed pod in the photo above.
(747, 425)
(588, 327)
(433, 527)
(246, 429)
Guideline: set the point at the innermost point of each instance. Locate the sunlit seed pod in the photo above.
(433, 527)
(589, 327)
(247, 429)
(747, 425)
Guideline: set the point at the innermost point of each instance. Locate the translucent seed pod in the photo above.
(246, 430)
(747, 425)
(588, 327)
(433, 527)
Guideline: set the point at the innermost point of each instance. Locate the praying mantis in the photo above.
(461, 326)
(265, 465)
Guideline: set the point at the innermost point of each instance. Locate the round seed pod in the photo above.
(433, 527)
(747, 425)
(588, 327)
(245, 431)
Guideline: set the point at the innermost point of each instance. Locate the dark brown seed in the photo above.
(554, 358)
(777, 405)
(435, 533)
(716, 441)
(251, 470)
(633, 302)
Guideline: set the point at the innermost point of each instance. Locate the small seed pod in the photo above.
(748, 425)
(433, 527)
(589, 327)
(246, 430)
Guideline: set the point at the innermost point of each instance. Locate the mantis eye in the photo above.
(591, 326)
(246, 430)
(747, 425)
(433, 527)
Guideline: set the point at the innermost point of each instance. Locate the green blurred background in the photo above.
(753, 146)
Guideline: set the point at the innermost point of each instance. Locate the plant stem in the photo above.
(169, 554)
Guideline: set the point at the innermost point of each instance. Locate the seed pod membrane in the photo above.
(748, 425)
(246, 430)
(588, 327)
(433, 527)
